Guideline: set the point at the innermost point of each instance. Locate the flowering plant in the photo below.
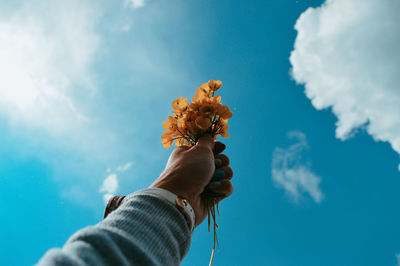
(204, 116)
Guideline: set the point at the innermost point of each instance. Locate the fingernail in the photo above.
(218, 162)
(214, 185)
(218, 175)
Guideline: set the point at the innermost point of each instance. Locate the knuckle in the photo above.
(224, 159)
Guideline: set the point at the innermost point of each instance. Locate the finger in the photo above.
(224, 160)
(209, 194)
(206, 141)
(219, 147)
(224, 172)
(223, 188)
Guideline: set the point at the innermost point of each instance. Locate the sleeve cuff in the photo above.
(181, 204)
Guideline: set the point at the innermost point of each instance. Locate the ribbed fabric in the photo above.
(144, 230)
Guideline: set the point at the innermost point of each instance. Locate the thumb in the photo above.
(206, 141)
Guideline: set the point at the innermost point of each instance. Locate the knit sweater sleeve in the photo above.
(144, 230)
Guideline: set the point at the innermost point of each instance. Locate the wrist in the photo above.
(174, 183)
(177, 201)
(193, 199)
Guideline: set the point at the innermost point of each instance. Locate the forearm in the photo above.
(144, 230)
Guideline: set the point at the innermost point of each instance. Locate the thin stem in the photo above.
(212, 257)
(184, 136)
(211, 208)
(194, 141)
(217, 126)
(208, 209)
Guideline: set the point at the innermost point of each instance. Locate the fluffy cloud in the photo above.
(110, 183)
(46, 49)
(346, 55)
(109, 187)
(293, 175)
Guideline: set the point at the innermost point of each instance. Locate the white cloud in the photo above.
(109, 186)
(126, 27)
(398, 259)
(110, 183)
(346, 54)
(291, 174)
(45, 51)
(134, 3)
(124, 167)
(51, 53)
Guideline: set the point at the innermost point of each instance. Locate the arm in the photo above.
(146, 230)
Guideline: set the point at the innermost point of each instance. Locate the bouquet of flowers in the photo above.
(205, 115)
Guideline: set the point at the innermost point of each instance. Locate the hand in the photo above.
(190, 170)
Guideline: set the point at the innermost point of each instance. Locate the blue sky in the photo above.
(85, 86)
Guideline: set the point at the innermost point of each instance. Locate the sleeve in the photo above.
(144, 230)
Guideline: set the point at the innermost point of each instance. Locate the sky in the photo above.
(315, 132)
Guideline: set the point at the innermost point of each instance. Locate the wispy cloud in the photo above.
(398, 259)
(134, 3)
(52, 54)
(46, 50)
(47, 87)
(292, 174)
(349, 61)
(124, 167)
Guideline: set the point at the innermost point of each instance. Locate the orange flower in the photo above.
(223, 132)
(203, 122)
(167, 139)
(215, 99)
(205, 115)
(181, 142)
(180, 104)
(225, 135)
(208, 110)
(206, 88)
(188, 117)
(223, 121)
(214, 85)
(167, 143)
(170, 124)
(224, 112)
(202, 93)
(198, 97)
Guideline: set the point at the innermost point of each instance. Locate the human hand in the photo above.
(190, 170)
